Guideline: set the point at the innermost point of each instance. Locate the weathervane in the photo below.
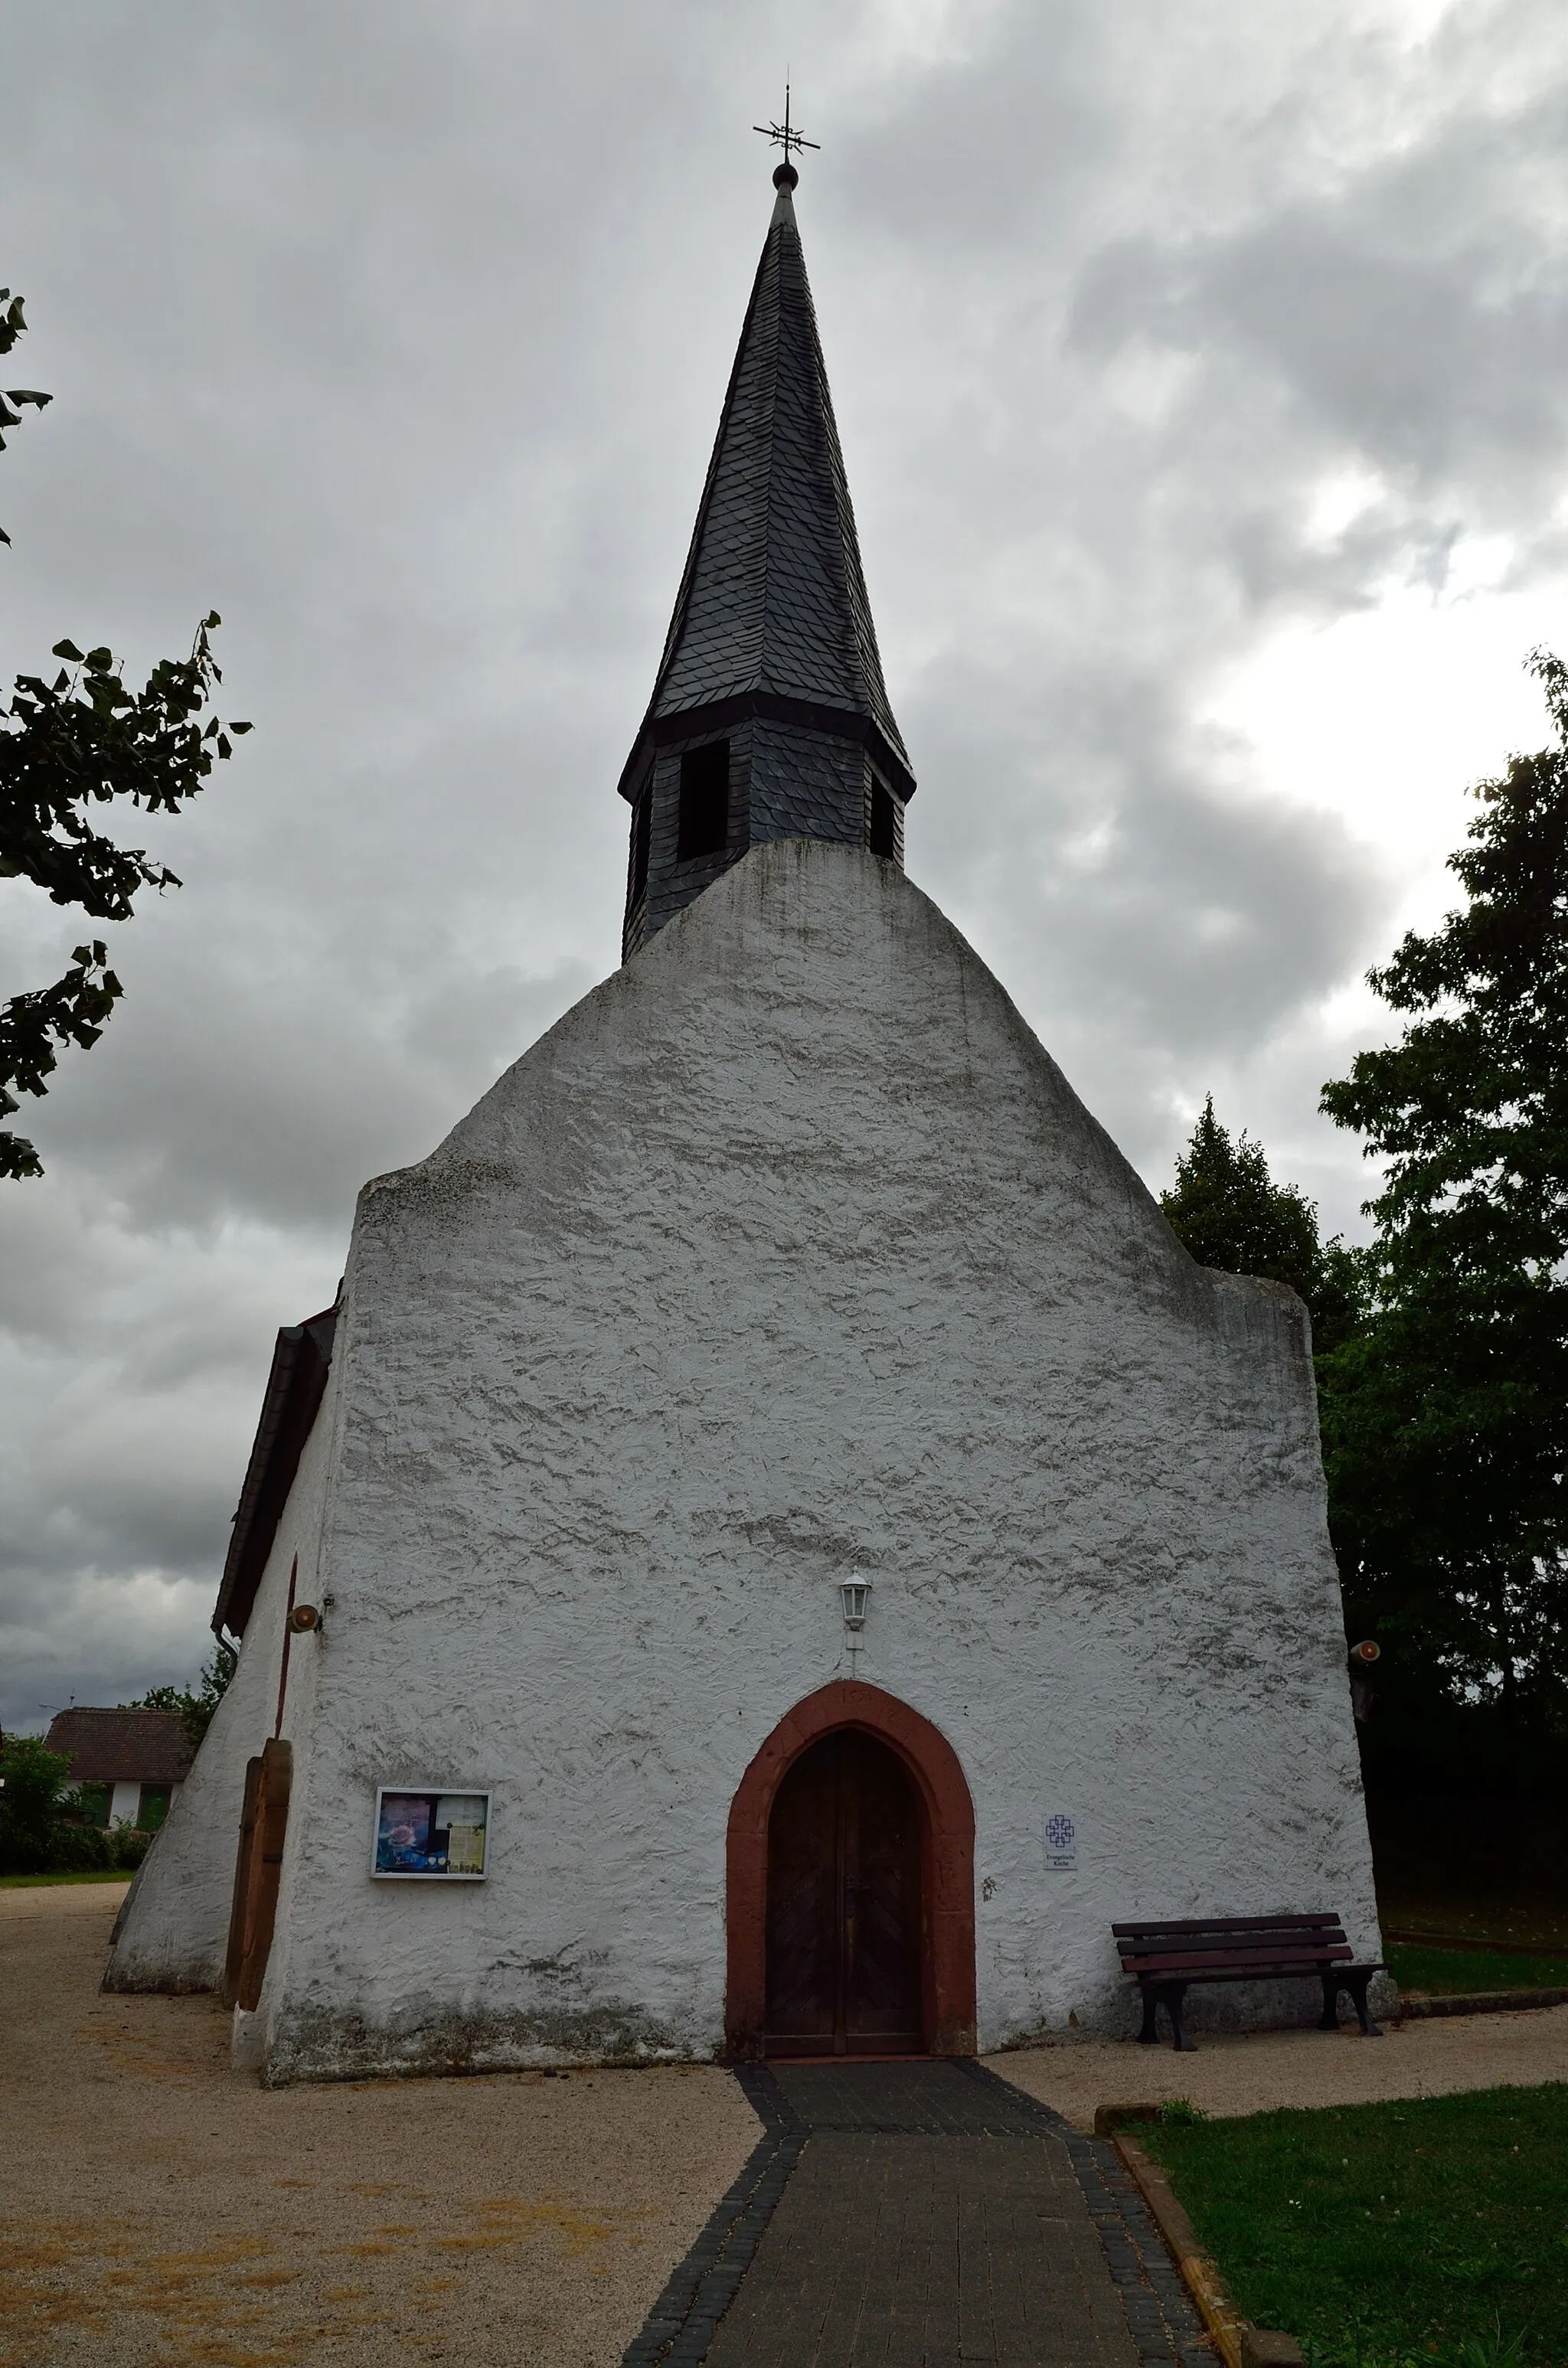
(784, 133)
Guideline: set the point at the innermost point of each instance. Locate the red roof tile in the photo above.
(121, 1747)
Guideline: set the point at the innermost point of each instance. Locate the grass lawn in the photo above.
(1457, 1972)
(95, 1874)
(1531, 1926)
(1390, 2235)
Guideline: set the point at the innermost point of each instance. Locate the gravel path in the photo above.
(158, 2208)
(1255, 2070)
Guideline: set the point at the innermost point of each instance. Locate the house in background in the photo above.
(136, 1759)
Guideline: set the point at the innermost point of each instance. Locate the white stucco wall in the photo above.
(789, 1251)
(173, 1935)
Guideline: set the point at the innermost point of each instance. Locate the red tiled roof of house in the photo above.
(121, 1747)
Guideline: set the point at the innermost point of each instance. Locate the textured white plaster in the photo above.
(789, 1251)
(174, 1932)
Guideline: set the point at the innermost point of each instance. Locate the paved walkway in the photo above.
(921, 2215)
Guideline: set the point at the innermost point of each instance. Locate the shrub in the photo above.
(32, 1785)
(37, 1835)
(86, 1849)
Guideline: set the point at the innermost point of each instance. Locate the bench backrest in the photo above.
(1238, 1944)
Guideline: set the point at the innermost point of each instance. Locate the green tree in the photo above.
(38, 1833)
(1228, 1210)
(194, 1704)
(1445, 1420)
(80, 741)
(33, 1784)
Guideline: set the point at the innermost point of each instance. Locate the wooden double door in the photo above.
(845, 1923)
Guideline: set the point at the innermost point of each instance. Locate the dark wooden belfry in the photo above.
(769, 718)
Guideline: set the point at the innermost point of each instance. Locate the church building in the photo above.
(777, 1546)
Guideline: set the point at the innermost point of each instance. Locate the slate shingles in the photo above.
(774, 597)
(772, 607)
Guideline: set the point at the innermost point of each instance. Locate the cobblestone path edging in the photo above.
(681, 2325)
(956, 2099)
(1161, 2316)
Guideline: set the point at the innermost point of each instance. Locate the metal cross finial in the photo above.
(784, 133)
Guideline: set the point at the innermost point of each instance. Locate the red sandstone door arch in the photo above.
(947, 1861)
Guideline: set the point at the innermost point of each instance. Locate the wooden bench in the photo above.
(1165, 1959)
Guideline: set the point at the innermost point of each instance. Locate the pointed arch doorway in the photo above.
(850, 1897)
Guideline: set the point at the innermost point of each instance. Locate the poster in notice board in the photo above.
(430, 1834)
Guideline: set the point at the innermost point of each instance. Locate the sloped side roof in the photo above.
(121, 1747)
(294, 1387)
(772, 597)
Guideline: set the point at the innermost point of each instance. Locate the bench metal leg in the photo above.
(1169, 1994)
(1355, 1987)
(1174, 1993)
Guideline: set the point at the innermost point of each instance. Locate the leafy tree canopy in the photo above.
(1228, 1210)
(194, 1705)
(67, 746)
(1445, 1421)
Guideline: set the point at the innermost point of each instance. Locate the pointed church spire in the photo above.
(769, 718)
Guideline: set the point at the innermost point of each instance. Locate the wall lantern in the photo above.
(1362, 1695)
(852, 1594)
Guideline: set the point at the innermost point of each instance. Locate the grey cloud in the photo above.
(402, 340)
(1151, 921)
(1408, 359)
(97, 1638)
(204, 1116)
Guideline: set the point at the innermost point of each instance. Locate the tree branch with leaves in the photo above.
(81, 741)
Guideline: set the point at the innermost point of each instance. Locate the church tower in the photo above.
(769, 718)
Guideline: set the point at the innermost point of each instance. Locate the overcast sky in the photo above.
(1202, 375)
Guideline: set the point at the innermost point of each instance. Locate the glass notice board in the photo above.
(430, 1834)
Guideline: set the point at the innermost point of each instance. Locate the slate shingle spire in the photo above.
(769, 718)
